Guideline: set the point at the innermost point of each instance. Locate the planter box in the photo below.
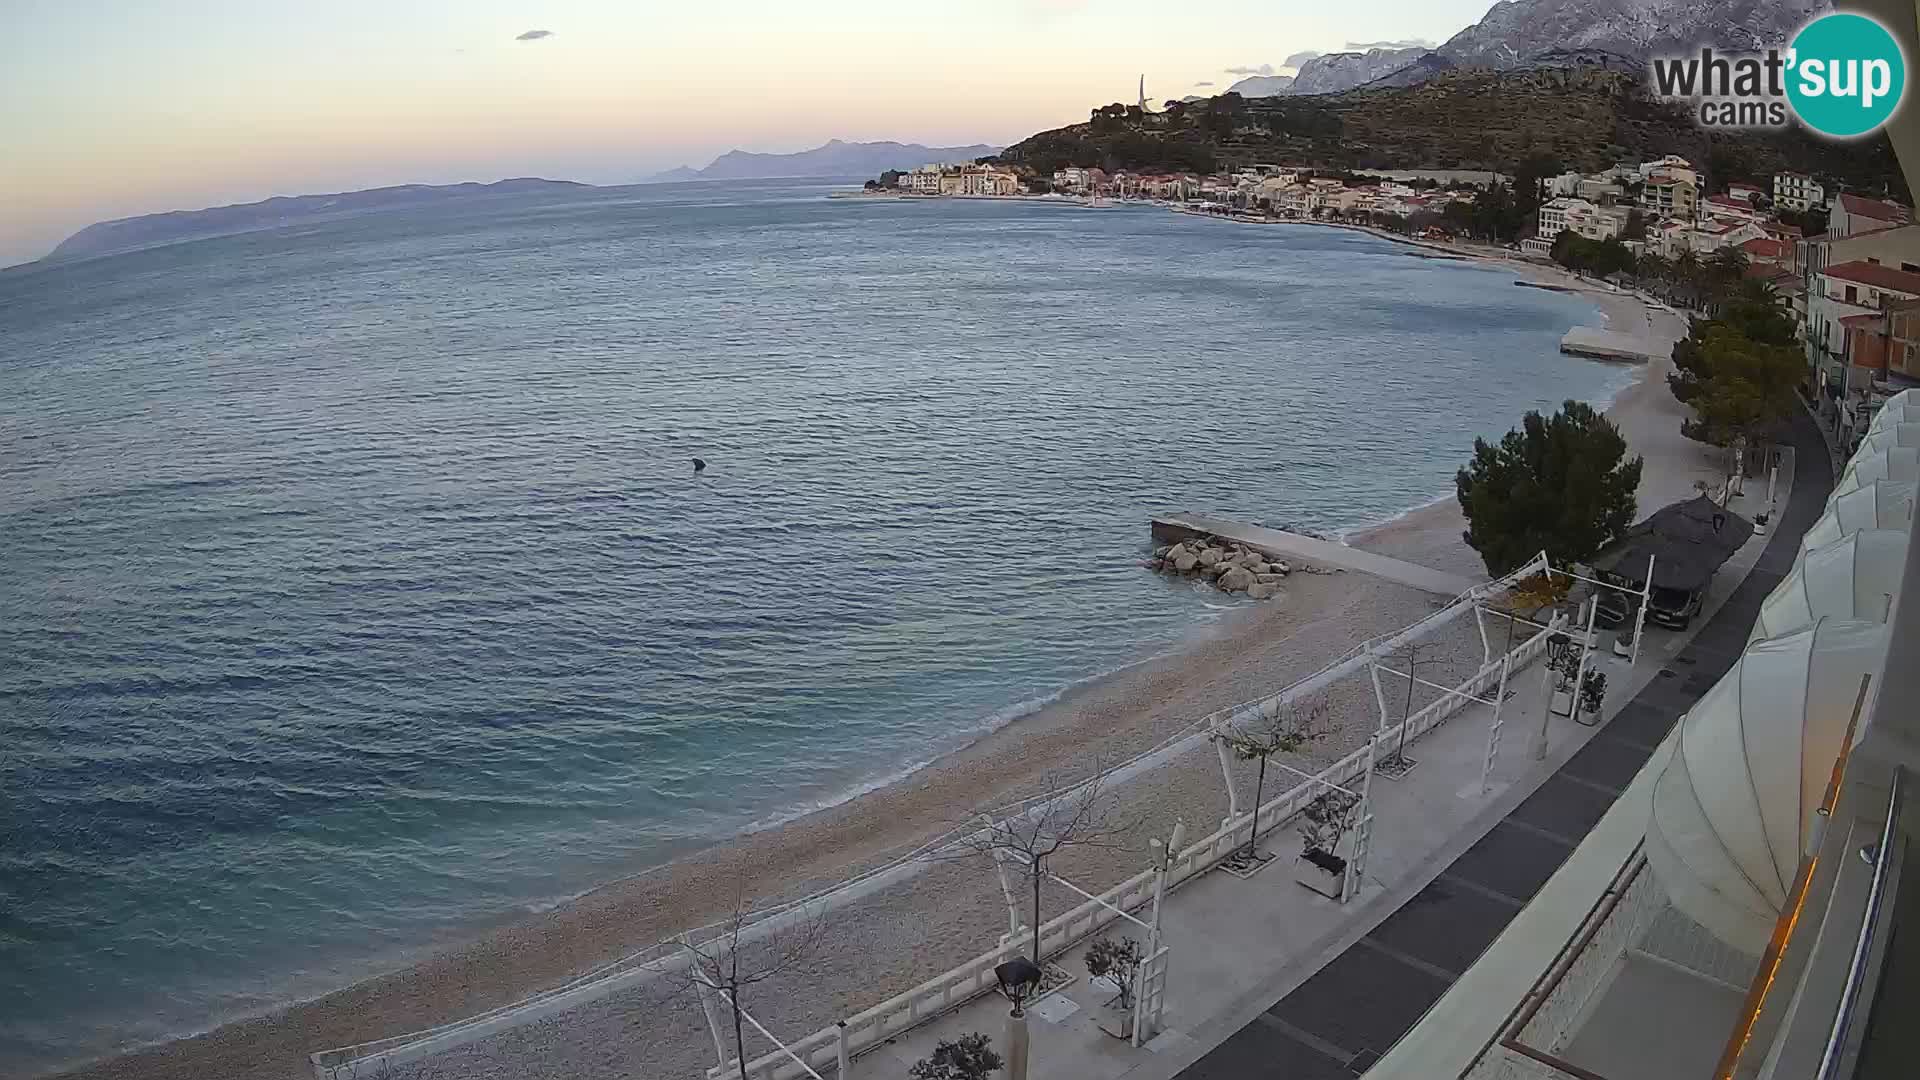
(1562, 703)
(1321, 871)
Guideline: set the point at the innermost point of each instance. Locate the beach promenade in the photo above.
(1267, 978)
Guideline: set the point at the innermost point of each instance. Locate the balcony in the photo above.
(1640, 992)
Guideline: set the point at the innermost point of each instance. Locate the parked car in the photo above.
(1673, 608)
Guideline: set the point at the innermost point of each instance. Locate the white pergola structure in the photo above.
(1371, 656)
(1727, 855)
(1854, 577)
(1882, 504)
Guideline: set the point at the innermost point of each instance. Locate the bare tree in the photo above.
(1399, 757)
(746, 951)
(1029, 835)
(1285, 730)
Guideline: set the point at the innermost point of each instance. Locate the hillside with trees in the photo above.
(1580, 118)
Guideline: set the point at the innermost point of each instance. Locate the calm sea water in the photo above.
(356, 589)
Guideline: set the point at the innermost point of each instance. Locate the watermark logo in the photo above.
(1843, 75)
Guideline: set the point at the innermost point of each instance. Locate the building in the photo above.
(1797, 191)
(1838, 293)
(1746, 193)
(1730, 207)
(1766, 251)
(1850, 215)
(1074, 179)
(1670, 194)
(924, 180)
(1671, 163)
(1677, 237)
(1554, 214)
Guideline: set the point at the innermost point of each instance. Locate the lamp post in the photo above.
(1019, 978)
(1559, 647)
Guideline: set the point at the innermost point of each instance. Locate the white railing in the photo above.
(975, 977)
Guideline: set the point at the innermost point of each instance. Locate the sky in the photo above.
(110, 109)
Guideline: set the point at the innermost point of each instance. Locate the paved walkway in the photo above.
(1347, 1015)
(1175, 527)
(1269, 980)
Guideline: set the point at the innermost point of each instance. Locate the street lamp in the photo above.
(1019, 979)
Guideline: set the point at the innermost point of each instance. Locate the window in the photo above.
(1853, 295)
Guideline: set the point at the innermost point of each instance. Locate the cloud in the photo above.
(1204, 82)
(1257, 69)
(1299, 58)
(534, 35)
(1404, 43)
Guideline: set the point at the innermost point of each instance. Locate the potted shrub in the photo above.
(1564, 664)
(969, 1057)
(1116, 962)
(1323, 824)
(1593, 692)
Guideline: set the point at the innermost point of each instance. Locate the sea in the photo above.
(358, 590)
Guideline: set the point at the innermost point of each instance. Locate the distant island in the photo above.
(152, 230)
(833, 158)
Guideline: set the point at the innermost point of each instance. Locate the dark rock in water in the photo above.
(699, 465)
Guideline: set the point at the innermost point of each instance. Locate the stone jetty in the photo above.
(1232, 567)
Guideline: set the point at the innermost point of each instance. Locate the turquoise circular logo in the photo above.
(1845, 75)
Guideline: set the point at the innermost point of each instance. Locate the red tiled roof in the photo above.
(1764, 248)
(1728, 200)
(1781, 228)
(1875, 208)
(1880, 277)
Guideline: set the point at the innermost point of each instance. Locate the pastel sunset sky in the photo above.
(121, 108)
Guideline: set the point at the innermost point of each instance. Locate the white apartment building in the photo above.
(1797, 191)
(1581, 218)
(1554, 215)
(924, 180)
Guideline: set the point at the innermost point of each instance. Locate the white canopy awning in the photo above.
(1893, 463)
(1906, 433)
(1854, 577)
(1733, 807)
(1903, 407)
(1883, 504)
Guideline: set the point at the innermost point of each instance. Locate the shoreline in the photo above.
(1127, 708)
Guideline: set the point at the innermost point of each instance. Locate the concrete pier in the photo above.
(1605, 345)
(1173, 528)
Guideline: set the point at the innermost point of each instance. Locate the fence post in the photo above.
(843, 1060)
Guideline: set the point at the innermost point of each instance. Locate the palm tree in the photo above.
(1686, 276)
(1729, 264)
(1655, 268)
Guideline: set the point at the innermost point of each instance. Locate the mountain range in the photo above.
(150, 230)
(1552, 33)
(833, 158)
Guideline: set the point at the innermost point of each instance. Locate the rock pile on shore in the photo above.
(1231, 567)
